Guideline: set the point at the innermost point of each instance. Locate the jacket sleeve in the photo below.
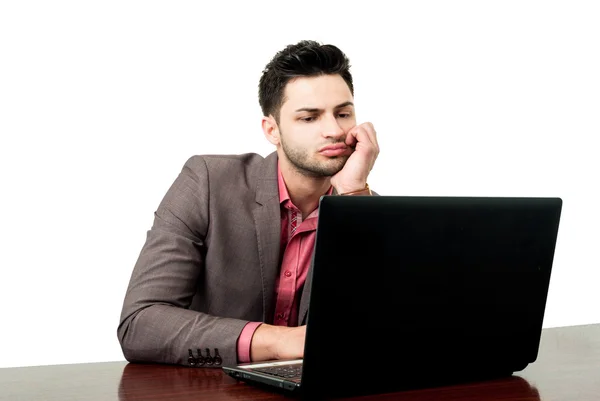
(156, 324)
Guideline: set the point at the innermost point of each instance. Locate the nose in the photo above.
(332, 129)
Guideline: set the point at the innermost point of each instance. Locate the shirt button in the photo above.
(288, 273)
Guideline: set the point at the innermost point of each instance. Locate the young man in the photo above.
(226, 263)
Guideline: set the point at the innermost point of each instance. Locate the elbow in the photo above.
(136, 343)
(127, 342)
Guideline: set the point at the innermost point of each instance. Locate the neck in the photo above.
(304, 191)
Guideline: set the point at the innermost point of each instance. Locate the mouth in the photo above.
(335, 150)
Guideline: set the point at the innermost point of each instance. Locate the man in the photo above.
(225, 267)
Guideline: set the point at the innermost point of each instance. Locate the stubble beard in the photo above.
(310, 167)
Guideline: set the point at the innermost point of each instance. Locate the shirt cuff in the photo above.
(245, 340)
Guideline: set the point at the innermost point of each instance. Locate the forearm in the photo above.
(163, 334)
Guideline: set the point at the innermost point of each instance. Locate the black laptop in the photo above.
(414, 292)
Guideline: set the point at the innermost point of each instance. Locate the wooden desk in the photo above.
(568, 368)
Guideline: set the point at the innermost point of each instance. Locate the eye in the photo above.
(307, 119)
(345, 115)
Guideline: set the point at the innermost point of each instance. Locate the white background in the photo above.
(102, 102)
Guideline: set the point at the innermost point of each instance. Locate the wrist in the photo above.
(265, 342)
(364, 190)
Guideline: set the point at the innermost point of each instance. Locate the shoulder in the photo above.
(213, 163)
(241, 170)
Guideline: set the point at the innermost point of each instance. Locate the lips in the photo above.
(334, 150)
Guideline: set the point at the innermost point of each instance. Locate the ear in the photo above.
(270, 129)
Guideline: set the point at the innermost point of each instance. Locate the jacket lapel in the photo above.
(267, 220)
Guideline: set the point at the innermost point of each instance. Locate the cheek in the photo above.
(295, 136)
(305, 133)
(349, 124)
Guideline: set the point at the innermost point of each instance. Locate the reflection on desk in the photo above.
(141, 382)
(568, 368)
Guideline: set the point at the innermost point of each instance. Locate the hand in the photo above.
(354, 175)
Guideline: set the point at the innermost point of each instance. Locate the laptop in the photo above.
(415, 292)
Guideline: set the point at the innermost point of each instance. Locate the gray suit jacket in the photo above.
(209, 262)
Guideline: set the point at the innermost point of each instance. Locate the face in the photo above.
(315, 117)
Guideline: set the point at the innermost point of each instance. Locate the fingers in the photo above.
(370, 133)
(363, 133)
(366, 136)
(351, 137)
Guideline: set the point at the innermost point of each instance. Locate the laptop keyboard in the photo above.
(293, 371)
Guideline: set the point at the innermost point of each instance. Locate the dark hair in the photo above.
(306, 58)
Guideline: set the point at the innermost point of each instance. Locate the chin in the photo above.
(334, 165)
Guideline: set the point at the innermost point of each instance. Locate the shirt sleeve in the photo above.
(245, 340)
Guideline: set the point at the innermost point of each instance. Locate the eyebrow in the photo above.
(315, 110)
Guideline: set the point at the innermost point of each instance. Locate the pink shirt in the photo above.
(297, 244)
